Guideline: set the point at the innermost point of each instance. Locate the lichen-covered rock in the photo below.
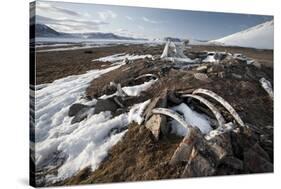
(105, 105)
(75, 108)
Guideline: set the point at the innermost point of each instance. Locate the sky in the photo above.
(139, 22)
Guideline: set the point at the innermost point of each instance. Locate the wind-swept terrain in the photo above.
(134, 110)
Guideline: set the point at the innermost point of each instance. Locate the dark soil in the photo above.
(58, 64)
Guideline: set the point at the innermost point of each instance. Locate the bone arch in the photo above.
(215, 111)
(223, 102)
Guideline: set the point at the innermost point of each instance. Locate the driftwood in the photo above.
(223, 102)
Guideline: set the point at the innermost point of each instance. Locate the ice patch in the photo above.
(193, 118)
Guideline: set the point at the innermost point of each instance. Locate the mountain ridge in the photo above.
(42, 30)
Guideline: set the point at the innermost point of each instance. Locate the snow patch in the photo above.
(135, 114)
(192, 117)
(81, 144)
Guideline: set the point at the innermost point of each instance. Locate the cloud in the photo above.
(140, 27)
(129, 18)
(108, 14)
(150, 21)
(71, 25)
(68, 20)
(127, 33)
(45, 7)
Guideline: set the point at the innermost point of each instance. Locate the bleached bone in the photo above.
(267, 87)
(172, 114)
(120, 91)
(185, 151)
(223, 102)
(215, 111)
(173, 50)
(147, 75)
(220, 130)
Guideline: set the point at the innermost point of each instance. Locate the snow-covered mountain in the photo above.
(260, 36)
(42, 30)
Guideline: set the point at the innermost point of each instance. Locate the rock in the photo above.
(88, 52)
(173, 98)
(257, 64)
(241, 60)
(126, 61)
(233, 162)
(198, 167)
(155, 123)
(80, 116)
(75, 108)
(221, 146)
(258, 149)
(249, 74)
(109, 89)
(237, 76)
(255, 163)
(184, 149)
(105, 105)
(221, 74)
(201, 77)
(216, 68)
(159, 102)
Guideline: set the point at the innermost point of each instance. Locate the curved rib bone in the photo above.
(147, 75)
(215, 111)
(172, 114)
(223, 102)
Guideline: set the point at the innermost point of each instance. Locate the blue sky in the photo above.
(143, 22)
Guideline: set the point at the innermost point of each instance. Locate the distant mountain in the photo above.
(42, 30)
(174, 39)
(260, 36)
(99, 35)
